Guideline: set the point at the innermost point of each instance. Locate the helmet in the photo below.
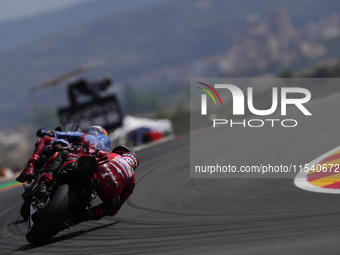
(96, 130)
(121, 150)
(100, 134)
(132, 159)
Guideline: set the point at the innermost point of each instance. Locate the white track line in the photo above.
(301, 178)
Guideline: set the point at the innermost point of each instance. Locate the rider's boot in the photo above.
(29, 171)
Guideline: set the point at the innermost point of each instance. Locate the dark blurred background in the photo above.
(152, 48)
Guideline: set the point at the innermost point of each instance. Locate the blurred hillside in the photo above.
(160, 47)
(16, 33)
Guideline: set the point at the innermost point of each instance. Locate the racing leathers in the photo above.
(46, 138)
(116, 181)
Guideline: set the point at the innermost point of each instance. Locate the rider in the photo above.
(116, 175)
(47, 138)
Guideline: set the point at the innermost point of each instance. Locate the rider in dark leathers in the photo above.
(43, 149)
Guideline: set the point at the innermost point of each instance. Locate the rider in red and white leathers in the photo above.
(116, 175)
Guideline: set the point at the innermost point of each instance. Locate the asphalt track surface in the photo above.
(169, 213)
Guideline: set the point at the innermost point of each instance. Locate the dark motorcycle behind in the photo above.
(71, 193)
(29, 185)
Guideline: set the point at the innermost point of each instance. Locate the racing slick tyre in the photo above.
(53, 216)
(25, 210)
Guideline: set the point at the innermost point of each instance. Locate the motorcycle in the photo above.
(29, 185)
(72, 192)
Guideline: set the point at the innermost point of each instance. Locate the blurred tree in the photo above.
(148, 101)
(140, 102)
(322, 72)
(161, 113)
(129, 98)
(181, 120)
(286, 72)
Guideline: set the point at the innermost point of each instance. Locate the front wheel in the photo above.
(53, 216)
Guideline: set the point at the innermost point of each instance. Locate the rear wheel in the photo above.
(51, 219)
(25, 210)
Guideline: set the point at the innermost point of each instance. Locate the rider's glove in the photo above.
(41, 132)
